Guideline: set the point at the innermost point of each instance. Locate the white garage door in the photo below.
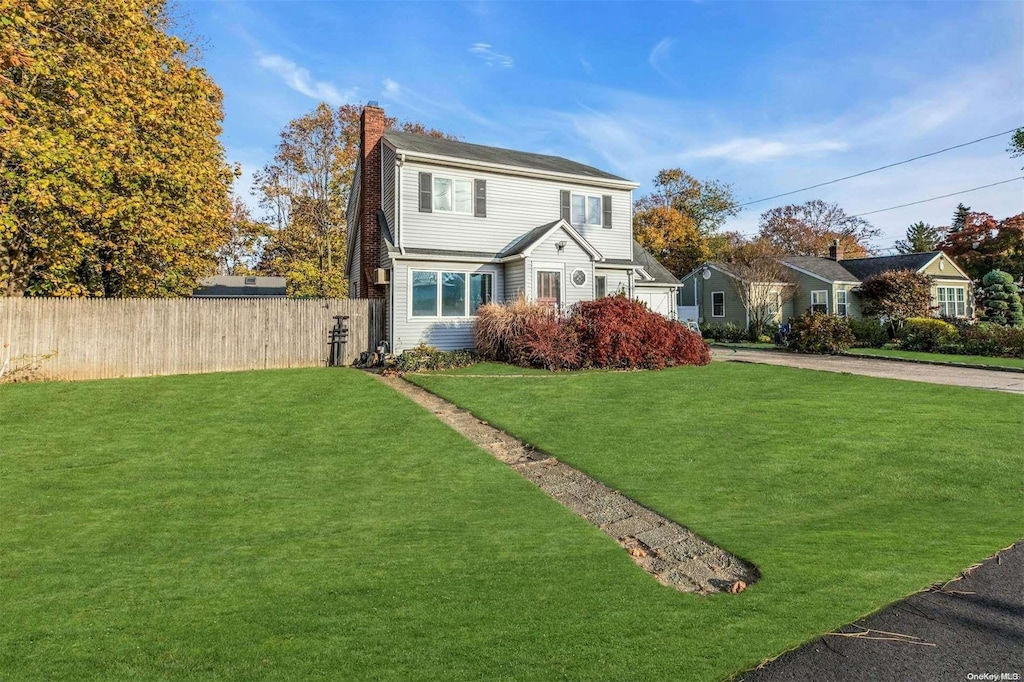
(658, 300)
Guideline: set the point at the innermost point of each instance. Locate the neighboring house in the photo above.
(439, 228)
(233, 286)
(829, 285)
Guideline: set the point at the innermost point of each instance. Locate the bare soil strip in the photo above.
(671, 553)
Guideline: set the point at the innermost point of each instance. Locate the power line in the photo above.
(944, 196)
(880, 168)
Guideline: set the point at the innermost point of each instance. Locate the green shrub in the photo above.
(725, 332)
(927, 334)
(869, 332)
(1000, 300)
(820, 333)
(424, 358)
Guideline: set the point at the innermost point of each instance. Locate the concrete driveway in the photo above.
(1008, 382)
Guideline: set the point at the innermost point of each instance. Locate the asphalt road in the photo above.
(1009, 382)
(976, 626)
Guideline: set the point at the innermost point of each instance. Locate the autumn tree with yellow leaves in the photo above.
(113, 180)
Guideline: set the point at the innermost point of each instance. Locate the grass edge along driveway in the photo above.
(848, 492)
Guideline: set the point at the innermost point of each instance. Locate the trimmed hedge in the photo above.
(820, 333)
(927, 334)
(424, 358)
(869, 332)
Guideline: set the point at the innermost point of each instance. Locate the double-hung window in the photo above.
(586, 210)
(952, 302)
(600, 286)
(717, 304)
(453, 195)
(449, 294)
(842, 303)
(819, 301)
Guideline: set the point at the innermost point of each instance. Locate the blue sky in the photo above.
(769, 97)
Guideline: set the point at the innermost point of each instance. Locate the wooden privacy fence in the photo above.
(104, 338)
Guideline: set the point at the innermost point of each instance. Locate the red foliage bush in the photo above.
(551, 342)
(618, 332)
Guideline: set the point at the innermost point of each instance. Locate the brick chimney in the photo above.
(835, 251)
(371, 129)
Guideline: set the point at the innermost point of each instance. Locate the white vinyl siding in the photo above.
(571, 258)
(952, 301)
(515, 279)
(515, 205)
(445, 333)
(615, 281)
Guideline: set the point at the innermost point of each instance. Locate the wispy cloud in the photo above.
(392, 89)
(586, 65)
(486, 52)
(754, 150)
(659, 55)
(299, 79)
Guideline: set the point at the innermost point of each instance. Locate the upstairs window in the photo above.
(453, 195)
(586, 210)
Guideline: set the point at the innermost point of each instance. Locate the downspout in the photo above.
(400, 237)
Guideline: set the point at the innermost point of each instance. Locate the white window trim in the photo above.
(955, 301)
(605, 278)
(819, 291)
(713, 303)
(586, 202)
(572, 280)
(467, 316)
(845, 304)
(452, 179)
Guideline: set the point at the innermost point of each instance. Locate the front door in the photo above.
(549, 288)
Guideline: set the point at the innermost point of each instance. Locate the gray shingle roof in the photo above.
(866, 267)
(822, 267)
(529, 239)
(425, 144)
(649, 263)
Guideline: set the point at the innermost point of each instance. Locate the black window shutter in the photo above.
(426, 193)
(606, 211)
(565, 206)
(480, 190)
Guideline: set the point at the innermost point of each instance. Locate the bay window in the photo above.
(449, 294)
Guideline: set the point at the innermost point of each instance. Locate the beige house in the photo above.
(830, 285)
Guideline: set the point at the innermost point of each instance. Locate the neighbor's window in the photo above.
(842, 309)
(717, 304)
(586, 210)
(450, 294)
(453, 195)
(600, 286)
(952, 302)
(819, 301)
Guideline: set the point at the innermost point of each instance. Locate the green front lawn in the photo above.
(312, 523)
(848, 492)
(939, 357)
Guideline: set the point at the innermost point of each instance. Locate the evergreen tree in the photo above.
(1000, 299)
(960, 218)
(921, 237)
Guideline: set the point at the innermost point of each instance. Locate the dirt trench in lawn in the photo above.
(673, 554)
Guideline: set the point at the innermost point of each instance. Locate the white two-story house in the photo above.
(439, 228)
